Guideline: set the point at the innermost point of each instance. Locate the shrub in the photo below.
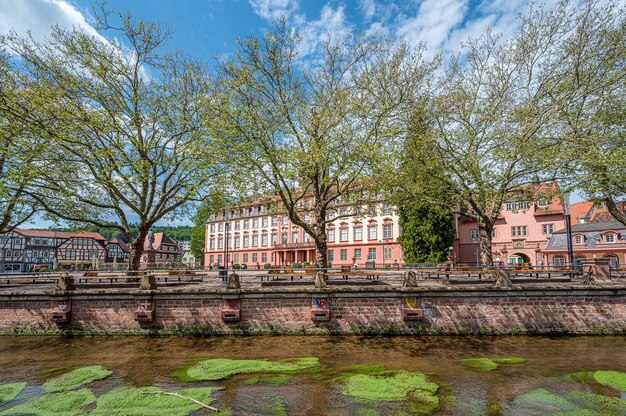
(267, 266)
(216, 265)
(244, 266)
(297, 265)
(236, 266)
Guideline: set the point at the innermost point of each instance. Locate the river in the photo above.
(538, 384)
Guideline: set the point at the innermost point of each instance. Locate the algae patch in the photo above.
(613, 379)
(220, 368)
(490, 364)
(8, 391)
(76, 378)
(62, 404)
(142, 401)
(543, 401)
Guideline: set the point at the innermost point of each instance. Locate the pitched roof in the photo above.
(60, 234)
(594, 226)
(159, 239)
(125, 248)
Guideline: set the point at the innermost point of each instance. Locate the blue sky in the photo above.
(208, 28)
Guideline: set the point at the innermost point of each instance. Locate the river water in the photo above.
(139, 361)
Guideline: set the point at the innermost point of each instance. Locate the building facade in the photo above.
(520, 236)
(592, 240)
(254, 237)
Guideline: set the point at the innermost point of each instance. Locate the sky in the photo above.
(208, 29)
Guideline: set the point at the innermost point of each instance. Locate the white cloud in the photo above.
(272, 9)
(433, 23)
(368, 8)
(331, 25)
(37, 16)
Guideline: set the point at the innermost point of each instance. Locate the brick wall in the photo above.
(358, 311)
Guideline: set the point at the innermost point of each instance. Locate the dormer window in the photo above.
(609, 238)
(578, 239)
(542, 202)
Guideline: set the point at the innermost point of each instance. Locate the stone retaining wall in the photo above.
(449, 310)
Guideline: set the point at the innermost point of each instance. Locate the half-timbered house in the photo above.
(81, 249)
(12, 246)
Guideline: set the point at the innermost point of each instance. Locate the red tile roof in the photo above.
(60, 234)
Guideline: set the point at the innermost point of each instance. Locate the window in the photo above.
(519, 231)
(255, 223)
(274, 220)
(371, 254)
(246, 224)
(220, 242)
(387, 253)
(294, 237)
(578, 239)
(264, 257)
(343, 254)
(306, 238)
(371, 232)
(255, 241)
(264, 240)
(264, 222)
(609, 238)
(245, 257)
(229, 240)
(613, 260)
(237, 243)
(236, 258)
(220, 227)
(474, 234)
(246, 241)
(331, 235)
(547, 228)
(357, 254)
(357, 234)
(211, 259)
(517, 206)
(493, 233)
(283, 238)
(387, 231)
(331, 255)
(212, 244)
(219, 259)
(285, 219)
(307, 218)
(330, 215)
(371, 210)
(274, 239)
(387, 209)
(343, 234)
(237, 225)
(542, 202)
(255, 257)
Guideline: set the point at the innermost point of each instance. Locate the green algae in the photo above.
(509, 360)
(271, 380)
(365, 369)
(574, 403)
(221, 368)
(613, 379)
(130, 401)
(264, 404)
(76, 378)
(490, 364)
(8, 391)
(51, 370)
(391, 388)
(480, 364)
(61, 404)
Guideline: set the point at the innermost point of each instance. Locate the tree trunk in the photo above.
(136, 249)
(613, 210)
(321, 251)
(486, 255)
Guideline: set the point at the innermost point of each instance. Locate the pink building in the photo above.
(521, 233)
(257, 237)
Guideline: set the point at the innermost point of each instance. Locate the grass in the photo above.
(76, 378)
(271, 380)
(128, 401)
(8, 391)
(490, 364)
(69, 403)
(221, 368)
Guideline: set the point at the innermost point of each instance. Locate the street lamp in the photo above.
(568, 226)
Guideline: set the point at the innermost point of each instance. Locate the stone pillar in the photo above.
(151, 255)
(595, 270)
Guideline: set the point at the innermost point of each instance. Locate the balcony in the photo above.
(292, 246)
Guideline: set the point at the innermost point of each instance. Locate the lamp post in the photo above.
(568, 226)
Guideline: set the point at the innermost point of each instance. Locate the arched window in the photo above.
(559, 260)
(613, 260)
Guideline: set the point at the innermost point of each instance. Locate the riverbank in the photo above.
(204, 309)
